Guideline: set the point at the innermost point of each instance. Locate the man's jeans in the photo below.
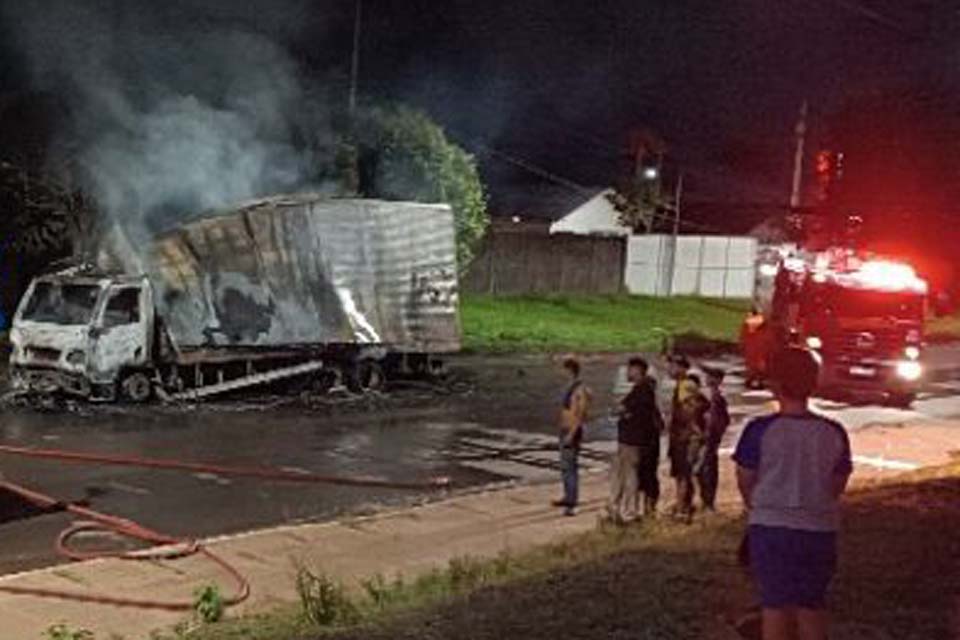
(569, 470)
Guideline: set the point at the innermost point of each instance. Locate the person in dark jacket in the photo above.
(638, 432)
(717, 420)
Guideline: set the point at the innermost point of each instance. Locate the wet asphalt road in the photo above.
(412, 435)
(499, 427)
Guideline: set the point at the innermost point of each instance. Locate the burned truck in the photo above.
(284, 287)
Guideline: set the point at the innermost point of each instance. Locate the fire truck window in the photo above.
(123, 308)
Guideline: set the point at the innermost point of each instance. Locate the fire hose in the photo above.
(164, 546)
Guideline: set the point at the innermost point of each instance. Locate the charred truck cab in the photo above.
(863, 317)
(285, 287)
(84, 334)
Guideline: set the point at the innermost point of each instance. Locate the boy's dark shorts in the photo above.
(793, 568)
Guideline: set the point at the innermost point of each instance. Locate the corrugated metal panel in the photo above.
(305, 270)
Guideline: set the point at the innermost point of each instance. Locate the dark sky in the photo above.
(561, 83)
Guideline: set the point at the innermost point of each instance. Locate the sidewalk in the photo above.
(408, 541)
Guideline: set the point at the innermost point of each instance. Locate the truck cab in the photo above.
(85, 334)
(869, 340)
(862, 316)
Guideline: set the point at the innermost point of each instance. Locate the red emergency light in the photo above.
(883, 275)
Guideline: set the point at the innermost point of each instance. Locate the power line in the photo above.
(878, 18)
(579, 188)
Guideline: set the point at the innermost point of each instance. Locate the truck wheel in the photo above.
(136, 387)
(366, 375)
(902, 400)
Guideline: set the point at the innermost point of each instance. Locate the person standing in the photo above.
(755, 343)
(637, 426)
(792, 468)
(717, 421)
(575, 407)
(648, 481)
(686, 416)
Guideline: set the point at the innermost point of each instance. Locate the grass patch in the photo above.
(596, 323)
(898, 578)
(374, 607)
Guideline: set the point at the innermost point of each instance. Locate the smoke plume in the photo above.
(175, 107)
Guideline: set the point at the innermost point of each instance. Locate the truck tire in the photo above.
(136, 387)
(901, 400)
(366, 375)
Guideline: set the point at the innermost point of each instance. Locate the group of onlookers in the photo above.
(698, 421)
(792, 467)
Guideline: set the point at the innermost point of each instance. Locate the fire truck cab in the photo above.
(862, 316)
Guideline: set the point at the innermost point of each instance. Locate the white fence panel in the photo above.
(709, 266)
(646, 264)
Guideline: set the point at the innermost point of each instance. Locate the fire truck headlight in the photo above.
(909, 370)
(912, 353)
(814, 342)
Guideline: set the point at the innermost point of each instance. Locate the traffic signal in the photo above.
(828, 168)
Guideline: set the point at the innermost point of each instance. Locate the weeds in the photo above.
(465, 573)
(63, 632)
(383, 594)
(324, 601)
(208, 604)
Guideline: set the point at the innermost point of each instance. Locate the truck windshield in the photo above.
(66, 304)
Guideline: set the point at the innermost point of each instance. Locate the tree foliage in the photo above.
(41, 216)
(403, 155)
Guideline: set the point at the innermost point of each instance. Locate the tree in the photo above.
(403, 155)
(639, 198)
(41, 215)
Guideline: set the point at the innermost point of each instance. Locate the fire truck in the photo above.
(861, 315)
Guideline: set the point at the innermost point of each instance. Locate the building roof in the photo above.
(537, 200)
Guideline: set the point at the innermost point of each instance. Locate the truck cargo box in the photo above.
(301, 272)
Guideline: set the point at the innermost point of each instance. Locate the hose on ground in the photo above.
(166, 547)
(163, 547)
(262, 473)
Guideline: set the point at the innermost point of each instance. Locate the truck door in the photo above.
(121, 334)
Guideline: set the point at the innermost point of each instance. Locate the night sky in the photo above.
(561, 84)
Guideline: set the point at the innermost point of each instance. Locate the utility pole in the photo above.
(355, 61)
(801, 138)
(677, 195)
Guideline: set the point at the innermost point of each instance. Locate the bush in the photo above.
(323, 601)
(208, 604)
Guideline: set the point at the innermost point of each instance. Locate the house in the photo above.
(552, 208)
(596, 216)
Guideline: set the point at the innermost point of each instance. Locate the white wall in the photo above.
(709, 266)
(597, 215)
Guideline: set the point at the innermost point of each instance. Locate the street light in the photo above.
(651, 173)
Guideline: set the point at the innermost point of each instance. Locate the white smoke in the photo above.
(175, 109)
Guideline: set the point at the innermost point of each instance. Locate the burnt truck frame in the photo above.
(288, 286)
